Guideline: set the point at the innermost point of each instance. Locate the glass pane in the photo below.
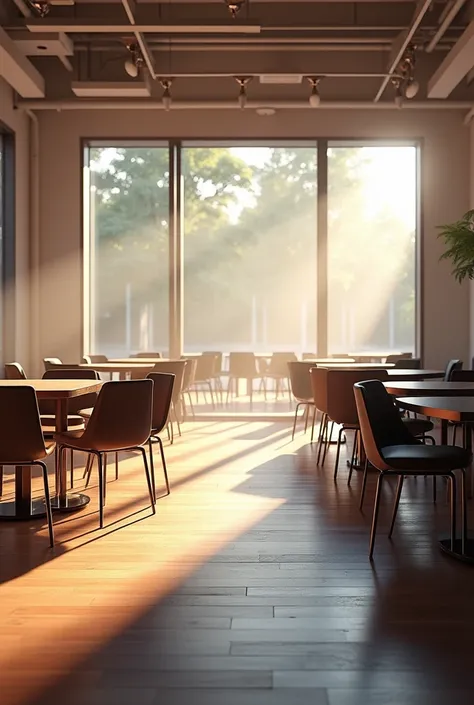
(249, 248)
(2, 226)
(128, 207)
(372, 220)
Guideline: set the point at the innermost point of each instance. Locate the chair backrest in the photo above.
(189, 373)
(320, 388)
(49, 362)
(89, 359)
(162, 395)
(279, 363)
(206, 367)
(379, 421)
(300, 380)
(75, 404)
(242, 365)
(21, 438)
(462, 376)
(13, 370)
(408, 363)
(397, 357)
(341, 405)
(147, 354)
(121, 417)
(450, 367)
(218, 359)
(176, 368)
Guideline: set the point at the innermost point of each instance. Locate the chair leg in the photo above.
(463, 511)
(148, 479)
(375, 516)
(364, 482)
(213, 402)
(104, 469)
(353, 457)
(47, 498)
(395, 504)
(315, 411)
(454, 434)
(453, 510)
(328, 441)
(295, 419)
(116, 466)
(152, 467)
(338, 451)
(101, 490)
(165, 470)
(71, 460)
(88, 470)
(322, 431)
(1, 480)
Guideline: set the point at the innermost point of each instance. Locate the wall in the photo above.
(17, 121)
(445, 194)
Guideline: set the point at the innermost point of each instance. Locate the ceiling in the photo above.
(354, 52)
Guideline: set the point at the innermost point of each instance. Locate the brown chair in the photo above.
(121, 421)
(392, 450)
(341, 406)
(90, 359)
(176, 368)
(408, 363)
(22, 442)
(162, 397)
(243, 365)
(451, 367)
(278, 370)
(13, 370)
(398, 357)
(188, 382)
(147, 354)
(300, 383)
(218, 372)
(204, 375)
(50, 362)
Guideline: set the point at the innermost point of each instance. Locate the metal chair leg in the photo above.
(364, 482)
(395, 504)
(322, 429)
(152, 467)
(315, 411)
(306, 415)
(328, 441)
(49, 513)
(338, 451)
(116, 466)
(101, 491)
(1, 480)
(353, 457)
(148, 479)
(165, 470)
(71, 470)
(375, 516)
(453, 510)
(295, 419)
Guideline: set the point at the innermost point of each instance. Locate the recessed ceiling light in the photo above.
(265, 111)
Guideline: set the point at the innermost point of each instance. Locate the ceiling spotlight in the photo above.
(411, 89)
(314, 98)
(235, 7)
(41, 7)
(242, 81)
(166, 97)
(135, 62)
(397, 84)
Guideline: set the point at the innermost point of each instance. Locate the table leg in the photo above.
(64, 501)
(444, 432)
(23, 507)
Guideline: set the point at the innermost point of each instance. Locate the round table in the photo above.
(459, 409)
(429, 388)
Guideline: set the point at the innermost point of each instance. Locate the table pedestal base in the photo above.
(72, 503)
(9, 510)
(466, 557)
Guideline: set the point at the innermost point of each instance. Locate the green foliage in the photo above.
(459, 239)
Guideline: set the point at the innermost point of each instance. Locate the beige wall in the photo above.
(445, 193)
(17, 121)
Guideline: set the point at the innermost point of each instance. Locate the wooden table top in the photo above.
(460, 409)
(330, 360)
(56, 388)
(397, 374)
(430, 388)
(119, 366)
(357, 365)
(138, 360)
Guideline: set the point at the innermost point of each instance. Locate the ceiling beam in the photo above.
(103, 26)
(454, 67)
(18, 71)
(130, 9)
(403, 41)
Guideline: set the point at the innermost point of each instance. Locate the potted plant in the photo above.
(459, 240)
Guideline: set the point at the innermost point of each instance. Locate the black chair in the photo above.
(452, 366)
(302, 390)
(459, 376)
(392, 450)
(162, 396)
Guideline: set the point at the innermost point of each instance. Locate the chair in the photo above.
(408, 363)
(50, 362)
(176, 368)
(120, 421)
(90, 359)
(162, 396)
(218, 371)
(452, 366)
(460, 376)
(147, 354)
(300, 383)
(398, 357)
(341, 408)
(13, 370)
(22, 442)
(205, 373)
(318, 377)
(243, 365)
(278, 370)
(392, 450)
(188, 382)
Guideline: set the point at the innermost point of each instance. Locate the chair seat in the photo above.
(418, 427)
(86, 413)
(420, 458)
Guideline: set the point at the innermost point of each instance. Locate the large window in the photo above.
(249, 248)
(303, 247)
(7, 245)
(127, 225)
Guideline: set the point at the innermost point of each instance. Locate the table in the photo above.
(23, 506)
(459, 409)
(372, 355)
(358, 365)
(136, 360)
(123, 368)
(430, 388)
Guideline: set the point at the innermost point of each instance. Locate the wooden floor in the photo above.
(250, 585)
